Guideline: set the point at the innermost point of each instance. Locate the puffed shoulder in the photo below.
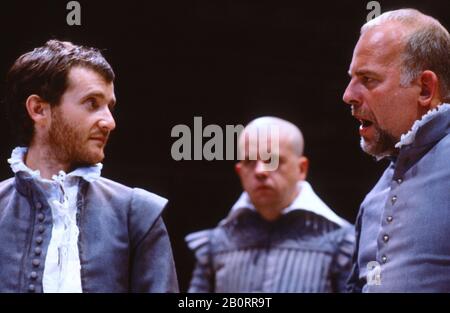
(7, 183)
(199, 242)
(145, 209)
(343, 236)
(344, 240)
(6, 186)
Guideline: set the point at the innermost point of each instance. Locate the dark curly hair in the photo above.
(44, 72)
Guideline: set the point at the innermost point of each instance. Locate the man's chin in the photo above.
(263, 199)
(91, 158)
(375, 149)
(99, 157)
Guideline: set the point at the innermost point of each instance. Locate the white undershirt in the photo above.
(62, 262)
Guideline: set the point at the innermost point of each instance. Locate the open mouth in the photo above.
(365, 123)
(365, 129)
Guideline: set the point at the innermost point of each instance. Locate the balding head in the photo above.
(426, 45)
(286, 131)
(271, 173)
(411, 19)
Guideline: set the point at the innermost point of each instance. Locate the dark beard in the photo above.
(67, 143)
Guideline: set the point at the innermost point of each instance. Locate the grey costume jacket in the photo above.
(123, 243)
(404, 222)
(300, 252)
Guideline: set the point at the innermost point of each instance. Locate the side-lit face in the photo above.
(385, 109)
(272, 190)
(81, 123)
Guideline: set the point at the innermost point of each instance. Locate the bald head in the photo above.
(410, 19)
(285, 130)
(271, 164)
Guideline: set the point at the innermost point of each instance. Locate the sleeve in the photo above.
(354, 284)
(203, 275)
(342, 262)
(152, 268)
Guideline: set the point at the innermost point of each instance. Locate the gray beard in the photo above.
(383, 145)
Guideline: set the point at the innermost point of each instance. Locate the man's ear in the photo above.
(429, 93)
(237, 168)
(303, 165)
(38, 110)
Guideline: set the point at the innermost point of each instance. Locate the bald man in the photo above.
(279, 236)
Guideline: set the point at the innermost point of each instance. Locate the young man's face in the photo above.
(81, 123)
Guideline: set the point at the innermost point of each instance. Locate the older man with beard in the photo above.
(64, 228)
(399, 91)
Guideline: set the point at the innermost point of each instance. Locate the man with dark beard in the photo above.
(400, 92)
(64, 228)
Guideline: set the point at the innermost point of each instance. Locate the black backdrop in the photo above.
(229, 62)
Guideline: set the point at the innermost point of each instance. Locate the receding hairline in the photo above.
(425, 41)
(411, 19)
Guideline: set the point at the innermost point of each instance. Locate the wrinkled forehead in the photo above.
(383, 44)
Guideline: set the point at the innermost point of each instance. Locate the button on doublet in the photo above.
(33, 275)
(41, 217)
(36, 262)
(393, 199)
(37, 251)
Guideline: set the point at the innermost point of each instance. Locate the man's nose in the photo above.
(107, 121)
(261, 169)
(351, 95)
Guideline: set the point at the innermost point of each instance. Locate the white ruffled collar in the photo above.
(89, 173)
(409, 137)
(307, 200)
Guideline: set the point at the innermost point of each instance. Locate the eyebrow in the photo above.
(363, 72)
(100, 94)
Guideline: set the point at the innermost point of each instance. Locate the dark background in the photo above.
(229, 62)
